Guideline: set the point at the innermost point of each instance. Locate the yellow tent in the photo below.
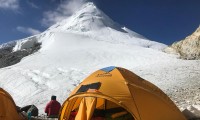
(8, 110)
(115, 87)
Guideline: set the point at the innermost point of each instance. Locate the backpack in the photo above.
(33, 110)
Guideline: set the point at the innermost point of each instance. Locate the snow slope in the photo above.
(85, 42)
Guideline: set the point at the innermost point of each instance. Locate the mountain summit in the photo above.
(90, 20)
(87, 18)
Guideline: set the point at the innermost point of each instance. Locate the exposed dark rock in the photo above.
(8, 58)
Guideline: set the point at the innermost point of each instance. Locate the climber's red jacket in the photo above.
(52, 108)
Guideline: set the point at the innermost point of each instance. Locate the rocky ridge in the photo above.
(9, 57)
(189, 48)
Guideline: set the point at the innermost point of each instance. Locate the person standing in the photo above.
(52, 108)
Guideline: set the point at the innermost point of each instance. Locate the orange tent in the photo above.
(8, 110)
(115, 87)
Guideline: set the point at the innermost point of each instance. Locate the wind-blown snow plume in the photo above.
(64, 10)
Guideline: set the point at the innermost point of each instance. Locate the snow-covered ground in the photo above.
(89, 40)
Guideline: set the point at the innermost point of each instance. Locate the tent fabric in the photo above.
(142, 99)
(86, 108)
(8, 109)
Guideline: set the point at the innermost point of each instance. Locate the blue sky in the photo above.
(165, 21)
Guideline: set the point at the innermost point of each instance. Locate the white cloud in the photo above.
(28, 30)
(32, 4)
(9, 4)
(64, 10)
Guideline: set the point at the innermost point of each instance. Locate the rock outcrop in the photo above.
(189, 48)
(8, 57)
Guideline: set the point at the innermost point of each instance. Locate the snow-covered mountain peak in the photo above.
(87, 18)
(92, 22)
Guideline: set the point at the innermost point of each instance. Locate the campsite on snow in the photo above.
(147, 80)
